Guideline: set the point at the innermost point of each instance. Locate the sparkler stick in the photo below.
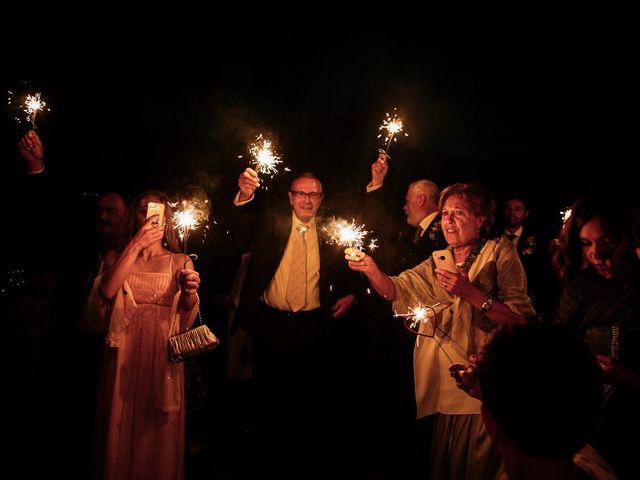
(393, 125)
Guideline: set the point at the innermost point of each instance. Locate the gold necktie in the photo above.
(297, 287)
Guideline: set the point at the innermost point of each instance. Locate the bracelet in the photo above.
(488, 303)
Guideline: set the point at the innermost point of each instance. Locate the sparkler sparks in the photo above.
(32, 105)
(417, 315)
(393, 125)
(348, 235)
(421, 321)
(565, 214)
(191, 216)
(264, 157)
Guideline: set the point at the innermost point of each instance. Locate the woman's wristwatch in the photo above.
(488, 303)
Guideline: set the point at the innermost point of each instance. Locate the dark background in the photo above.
(520, 100)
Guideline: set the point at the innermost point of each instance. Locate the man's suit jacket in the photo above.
(409, 254)
(270, 239)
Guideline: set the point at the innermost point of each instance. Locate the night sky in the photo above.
(517, 100)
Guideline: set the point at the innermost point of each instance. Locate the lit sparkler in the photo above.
(264, 157)
(565, 214)
(416, 316)
(393, 125)
(417, 319)
(347, 235)
(191, 216)
(32, 105)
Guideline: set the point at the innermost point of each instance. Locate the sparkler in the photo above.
(565, 214)
(190, 217)
(348, 235)
(393, 125)
(425, 315)
(264, 158)
(417, 315)
(32, 105)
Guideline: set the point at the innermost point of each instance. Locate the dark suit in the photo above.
(410, 253)
(291, 352)
(543, 287)
(269, 243)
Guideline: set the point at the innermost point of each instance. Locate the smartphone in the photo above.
(444, 259)
(154, 208)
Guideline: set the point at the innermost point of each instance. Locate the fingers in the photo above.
(152, 222)
(248, 181)
(190, 281)
(250, 176)
(30, 141)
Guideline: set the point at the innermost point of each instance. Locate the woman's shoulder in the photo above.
(501, 246)
(180, 261)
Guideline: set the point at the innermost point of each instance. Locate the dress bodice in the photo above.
(154, 287)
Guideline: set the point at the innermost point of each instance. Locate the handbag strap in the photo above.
(174, 328)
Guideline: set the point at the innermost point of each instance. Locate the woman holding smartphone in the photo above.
(487, 289)
(141, 404)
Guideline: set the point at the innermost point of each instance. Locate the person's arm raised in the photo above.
(31, 149)
(248, 182)
(117, 269)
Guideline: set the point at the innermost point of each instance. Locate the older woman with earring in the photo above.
(488, 289)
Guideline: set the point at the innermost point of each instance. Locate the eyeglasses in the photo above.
(311, 195)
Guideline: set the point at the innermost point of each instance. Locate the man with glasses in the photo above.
(295, 286)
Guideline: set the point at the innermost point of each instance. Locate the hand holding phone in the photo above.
(155, 208)
(444, 259)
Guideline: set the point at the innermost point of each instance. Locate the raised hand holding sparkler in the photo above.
(31, 149)
(393, 125)
(248, 182)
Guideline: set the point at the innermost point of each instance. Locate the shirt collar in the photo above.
(426, 221)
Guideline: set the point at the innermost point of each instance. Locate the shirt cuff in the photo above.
(238, 203)
(372, 188)
(35, 172)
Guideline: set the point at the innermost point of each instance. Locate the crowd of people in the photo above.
(348, 359)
